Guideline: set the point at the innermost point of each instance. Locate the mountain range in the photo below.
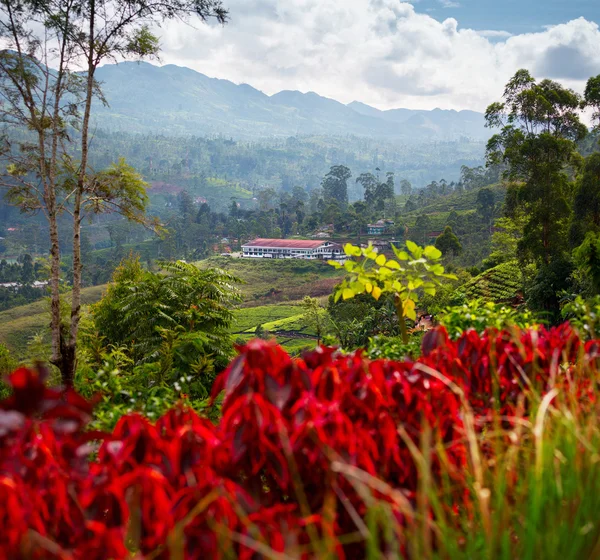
(175, 100)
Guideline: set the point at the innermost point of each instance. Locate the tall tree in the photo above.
(486, 204)
(368, 181)
(52, 106)
(335, 184)
(405, 187)
(540, 126)
(448, 243)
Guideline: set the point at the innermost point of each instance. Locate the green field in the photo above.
(283, 322)
(500, 284)
(266, 285)
(273, 281)
(20, 324)
(246, 319)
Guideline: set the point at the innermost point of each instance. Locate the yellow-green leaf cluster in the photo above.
(413, 271)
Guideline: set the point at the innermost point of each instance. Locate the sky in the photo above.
(451, 54)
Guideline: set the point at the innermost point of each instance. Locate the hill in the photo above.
(273, 281)
(20, 324)
(501, 284)
(175, 100)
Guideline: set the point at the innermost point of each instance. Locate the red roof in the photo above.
(284, 243)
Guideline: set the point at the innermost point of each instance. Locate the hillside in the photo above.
(501, 284)
(20, 324)
(175, 100)
(273, 281)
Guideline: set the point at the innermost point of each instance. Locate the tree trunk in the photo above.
(70, 355)
(55, 325)
(401, 319)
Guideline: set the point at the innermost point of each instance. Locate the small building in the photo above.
(292, 249)
(380, 227)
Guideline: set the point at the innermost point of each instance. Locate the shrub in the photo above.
(584, 315)
(328, 456)
(480, 316)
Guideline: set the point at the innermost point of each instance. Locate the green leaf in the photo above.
(409, 308)
(412, 247)
(432, 252)
(335, 264)
(347, 293)
(376, 293)
(349, 265)
(380, 260)
(401, 255)
(385, 272)
(393, 265)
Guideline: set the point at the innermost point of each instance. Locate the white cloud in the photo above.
(449, 4)
(494, 33)
(381, 52)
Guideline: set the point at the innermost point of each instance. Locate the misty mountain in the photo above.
(180, 101)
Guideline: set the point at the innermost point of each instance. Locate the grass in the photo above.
(20, 324)
(273, 281)
(283, 322)
(246, 319)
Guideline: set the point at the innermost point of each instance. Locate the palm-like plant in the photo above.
(189, 306)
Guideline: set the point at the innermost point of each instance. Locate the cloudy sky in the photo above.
(453, 54)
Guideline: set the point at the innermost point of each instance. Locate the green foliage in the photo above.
(392, 348)
(587, 258)
(480, 315)
(7, 365)
(586, 202)
(315, 316)
(170, 324)
(584, 315)
(125, 388)
(448, 243)
(501, 284)
(418, 269)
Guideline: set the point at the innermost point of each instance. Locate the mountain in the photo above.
(179, 101)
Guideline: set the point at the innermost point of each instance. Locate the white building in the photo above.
(292, 249)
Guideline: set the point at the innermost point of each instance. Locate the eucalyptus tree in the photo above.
(539, 127)
(51, 51)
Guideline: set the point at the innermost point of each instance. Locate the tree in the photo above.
(586, 203)
(448, 243)
(53, 107)
(592, 97)
(182, 299)
(405, 187)
(486, 205)
(374, 274)
(335, 184)
(539, 129)
(422, 227)
(369, 183)
(315, 316)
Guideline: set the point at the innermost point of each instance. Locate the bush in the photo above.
(480, 316)
(329, 456)
(584, 315)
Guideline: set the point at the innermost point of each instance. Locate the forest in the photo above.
(432, 393)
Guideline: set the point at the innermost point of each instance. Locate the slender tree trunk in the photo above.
(55, 324)
(70, 358)
(59, 349)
